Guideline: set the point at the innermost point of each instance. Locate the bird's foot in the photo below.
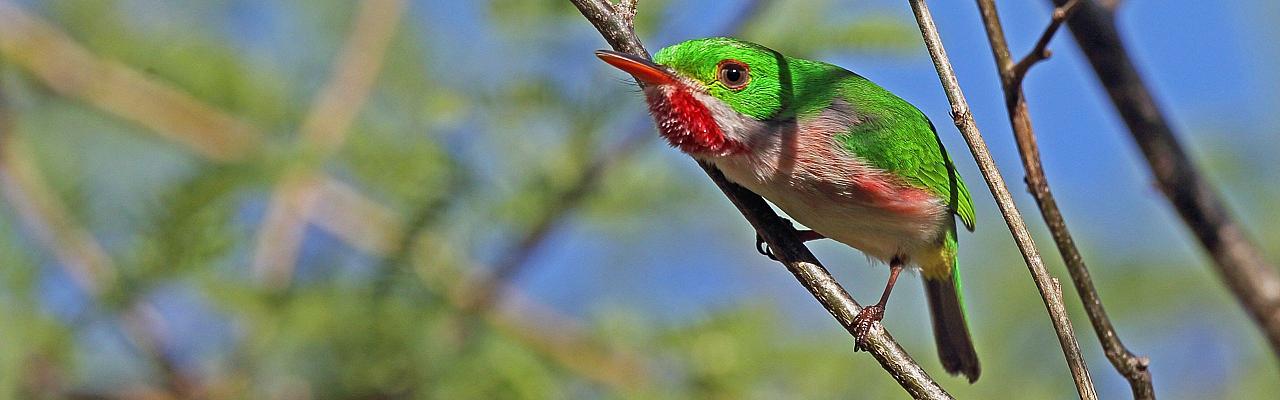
(862, 323)
(804, 236)
(763, 248)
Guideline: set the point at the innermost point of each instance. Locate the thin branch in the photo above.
(1237, 259)
(323, 132)
(40, 209)
(71, 70)
(381, 232)
(344, 212)
(75, 248)
(1041, 50)
(781, 237)
(1049, 288)
(485, 294)
(1129, 365)
(553, 335)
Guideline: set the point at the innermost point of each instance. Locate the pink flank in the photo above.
(892, 195)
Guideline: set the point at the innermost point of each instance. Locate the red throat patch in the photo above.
(687, 124)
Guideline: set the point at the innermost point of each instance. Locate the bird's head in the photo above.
(709, 97)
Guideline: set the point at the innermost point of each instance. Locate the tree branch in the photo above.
(1132, 367)
(75, 248)
(1041, 51)
(323, 133)
(781, 237)
(1049, 288)
(70, 69)
(1238, 261)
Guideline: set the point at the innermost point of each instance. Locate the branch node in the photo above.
(960, 116)
(1041, 50)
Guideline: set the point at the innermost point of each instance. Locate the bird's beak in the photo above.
(644, 70)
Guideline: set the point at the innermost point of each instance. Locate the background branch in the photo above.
(1238, 261)
(1038, 53)
(323, 133)
(781, 237)
(77, 251)
(70, 69)
(1049, 288)
(1132, 367)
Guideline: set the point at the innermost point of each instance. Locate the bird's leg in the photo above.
(804, 235)
(874, 313)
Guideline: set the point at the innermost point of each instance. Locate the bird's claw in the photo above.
(763, 248)
(862, 325)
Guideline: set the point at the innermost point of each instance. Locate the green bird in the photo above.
(836, 152)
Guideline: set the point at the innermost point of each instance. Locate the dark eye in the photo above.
(733, 74)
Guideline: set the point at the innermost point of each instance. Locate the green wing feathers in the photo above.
(944, 180)
(895, 136)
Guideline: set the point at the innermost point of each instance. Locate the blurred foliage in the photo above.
(472, 141)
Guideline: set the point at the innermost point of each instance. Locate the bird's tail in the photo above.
(950, 330)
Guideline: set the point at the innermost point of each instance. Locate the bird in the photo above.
(836, 152)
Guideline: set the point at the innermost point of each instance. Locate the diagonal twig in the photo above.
(1041, 50)
(1237, 259)
(75, 248)
(73, 71)
(1050, 289)
(1131, 366)
(44, 213)
(781, 237)
(323, 132)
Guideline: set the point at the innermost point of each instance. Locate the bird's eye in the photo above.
(733, 74)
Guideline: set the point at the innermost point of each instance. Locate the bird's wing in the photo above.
(906, 144)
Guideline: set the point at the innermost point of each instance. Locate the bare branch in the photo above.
(75, 248)
(344, 212)
(781, 237)
(47, 216)
(1238, 260)
(323, 132)
(513, 261)
(1047, 285)
(70, 69)
(1132, 367)
(1041, 51)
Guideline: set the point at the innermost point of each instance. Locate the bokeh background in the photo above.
(455, 199)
